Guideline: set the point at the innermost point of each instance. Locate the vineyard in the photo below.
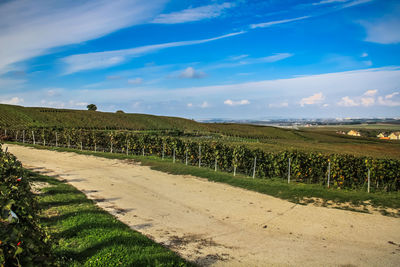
(22, 240)
(336, 170)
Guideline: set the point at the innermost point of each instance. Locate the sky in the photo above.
(204, 59)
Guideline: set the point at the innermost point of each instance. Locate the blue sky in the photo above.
(204, 59)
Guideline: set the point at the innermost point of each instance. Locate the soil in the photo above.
(220, 225)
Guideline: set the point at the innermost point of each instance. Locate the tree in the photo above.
(92, 107)
(119, 111)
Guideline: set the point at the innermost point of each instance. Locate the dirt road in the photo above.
(212, 223)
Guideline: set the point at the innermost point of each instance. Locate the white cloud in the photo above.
(371, 92)
(247, 61)
(367, 63)
(12, 101)
(355, 3)
(364, 54)
(113, 77)
(311, 100)
(32, 28)
(384, 30)
(271, 23)
(279, 105)
(324, 2)
(191, 73)
(331, 85)
(99, 60)
(193, 14)
(347, 102)
(54, 92)
(236, 103)
(189, 105)
(390, 100)
(367, 101)
(234, 58)
(78, 103)
(135, 81)
(205, 105)
(273, 58)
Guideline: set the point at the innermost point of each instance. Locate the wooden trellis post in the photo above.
(23, 136)
(163, 151)
(215, 165)
(186, 157)
(199, 156)
(33, 137)
(56, 139)
(173, 156)
(288, 175)
(329, 173)
(254, 169)
(369, 180)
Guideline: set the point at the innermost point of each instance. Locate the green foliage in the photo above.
(347, 171)
(22, 240)
(270, 139)
(92, 107)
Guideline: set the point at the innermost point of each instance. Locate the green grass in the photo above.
(270, 139)
(19, 117)
(82, 234)
(277, 187)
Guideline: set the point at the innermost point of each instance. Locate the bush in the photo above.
(22, 240)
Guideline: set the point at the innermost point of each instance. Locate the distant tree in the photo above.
(119, 111)
(92, 107)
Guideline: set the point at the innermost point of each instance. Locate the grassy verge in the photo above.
(277, 187)
(85, 235)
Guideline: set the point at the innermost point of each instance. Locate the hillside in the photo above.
(266, 138)
(17, 116)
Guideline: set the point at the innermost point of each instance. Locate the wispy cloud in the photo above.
(324, 2)
(193, 14)
(369, 99)
(279, 105)
(245, 60)
(33, 28)
(312, 100)
(273, 58)
(272, 23)
(333, 86)
(391, 100)
(191, 73)
(371, 92)
(347, 102)
(99, 60)
(355, 3)
(12, 101)
(384, 30)
(205, 105)
(236, 103)
(343, 3)
(135, 81)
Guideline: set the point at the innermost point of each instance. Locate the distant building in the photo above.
(354, 133)
(394, 136)
(340, 132)
(381, 135)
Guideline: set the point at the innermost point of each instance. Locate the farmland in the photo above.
(269, 139)
(303, 166)
(210, 222)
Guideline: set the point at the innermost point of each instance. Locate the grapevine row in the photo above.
(344, 171)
